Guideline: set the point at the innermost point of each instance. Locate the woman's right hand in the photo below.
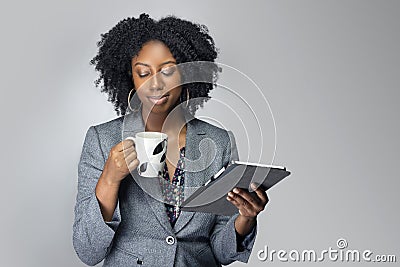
(121, 159)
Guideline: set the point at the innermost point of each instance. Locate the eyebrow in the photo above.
(147, 65)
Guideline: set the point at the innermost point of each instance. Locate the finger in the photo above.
(130, 157)
(235, 202)
(125, 144)
(251, 198)
(133, 164)
(261, 193)
(243, 206)
(240, 202)
(128, 151)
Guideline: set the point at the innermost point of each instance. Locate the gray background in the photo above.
(329, 69)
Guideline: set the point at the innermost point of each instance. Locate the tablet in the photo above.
(211, 197)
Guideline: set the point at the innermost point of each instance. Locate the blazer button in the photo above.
(170, 240)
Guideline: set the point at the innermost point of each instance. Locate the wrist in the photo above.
(106, 180)
(246, 219)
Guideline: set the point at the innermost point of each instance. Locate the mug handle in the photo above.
(142, 166)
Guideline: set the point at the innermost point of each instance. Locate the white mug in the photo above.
(151, 150)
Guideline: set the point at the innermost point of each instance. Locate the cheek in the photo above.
(139, 89)
(136, 82)
(173, 83)
(139, 94)
(175, 93)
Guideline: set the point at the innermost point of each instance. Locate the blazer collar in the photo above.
(133, 123)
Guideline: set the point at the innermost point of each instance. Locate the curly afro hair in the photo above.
(186, 40)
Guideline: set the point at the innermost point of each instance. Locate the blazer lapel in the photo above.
(193, 180)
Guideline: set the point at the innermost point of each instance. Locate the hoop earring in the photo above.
(187, 97)
(129, 103)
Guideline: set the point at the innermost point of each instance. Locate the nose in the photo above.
(156, 83)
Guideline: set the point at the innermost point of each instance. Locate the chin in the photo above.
(160, 109)
(163, 108)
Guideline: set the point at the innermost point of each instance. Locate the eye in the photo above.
(168, 71)
(142, 75)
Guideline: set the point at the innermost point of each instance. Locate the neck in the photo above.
(153, 122)
(164, 122)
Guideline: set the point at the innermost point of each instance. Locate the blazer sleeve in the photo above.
(223, 239)
(91, 235)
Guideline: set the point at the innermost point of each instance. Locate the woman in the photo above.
(115, 219)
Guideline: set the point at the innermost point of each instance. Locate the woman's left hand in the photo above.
(249, 205)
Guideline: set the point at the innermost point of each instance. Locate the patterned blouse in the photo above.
(173, 191)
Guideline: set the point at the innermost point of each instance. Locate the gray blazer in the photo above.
(140, 233)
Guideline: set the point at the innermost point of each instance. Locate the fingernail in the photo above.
(236, 190)
(230, 194)
(253, 185)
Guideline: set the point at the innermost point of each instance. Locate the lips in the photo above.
(158, 100)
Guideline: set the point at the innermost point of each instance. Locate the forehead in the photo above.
(153, 53)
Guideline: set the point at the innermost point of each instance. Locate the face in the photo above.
(156, 78)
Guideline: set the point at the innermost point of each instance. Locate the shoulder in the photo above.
(108, 133)
(109, 125)
(109, 128)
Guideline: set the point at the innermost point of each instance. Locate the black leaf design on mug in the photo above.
(162, 158)
(143, 167)
(160, 147)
